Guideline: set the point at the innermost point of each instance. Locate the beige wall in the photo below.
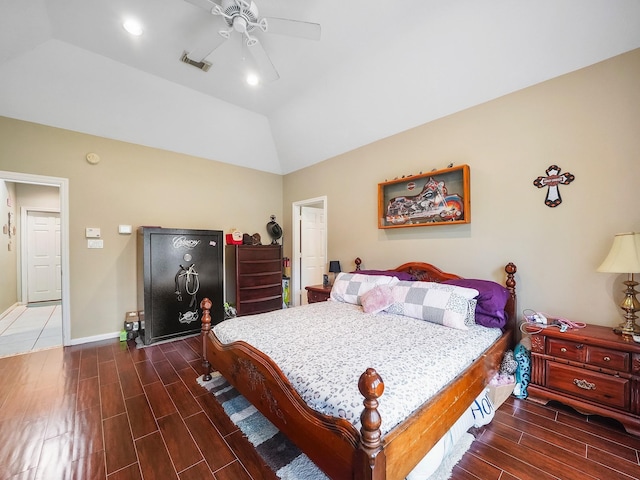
(587, 122)
(8, 256)
(38, 196)
(132, 185)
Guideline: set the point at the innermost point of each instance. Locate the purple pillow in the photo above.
(389, 273)
(491, 300)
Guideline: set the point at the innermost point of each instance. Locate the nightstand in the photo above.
(317, 293)
(591, 369)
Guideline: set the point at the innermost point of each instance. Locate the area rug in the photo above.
(282, 456)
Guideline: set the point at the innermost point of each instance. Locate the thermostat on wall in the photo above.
(92, 233)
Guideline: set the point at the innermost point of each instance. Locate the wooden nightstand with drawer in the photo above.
(591, 369)
(317, 293)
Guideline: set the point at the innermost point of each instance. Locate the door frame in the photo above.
(63, 186)
(24, 261)
(295, 222)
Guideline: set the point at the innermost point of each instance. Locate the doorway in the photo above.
(64, 284)
(41, 251)
(309, 246)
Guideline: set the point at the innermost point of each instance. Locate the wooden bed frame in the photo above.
(334, 444)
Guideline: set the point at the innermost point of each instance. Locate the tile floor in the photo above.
(28, 328)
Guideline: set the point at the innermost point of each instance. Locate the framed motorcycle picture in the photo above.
(440, 197)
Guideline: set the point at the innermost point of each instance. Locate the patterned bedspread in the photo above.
(323, 348)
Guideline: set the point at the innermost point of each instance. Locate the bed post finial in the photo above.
(206, 305)
(371, 387)
(511, 270)
(511, 306)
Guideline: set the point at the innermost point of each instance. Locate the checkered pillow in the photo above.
(349, 287)
(434, 302)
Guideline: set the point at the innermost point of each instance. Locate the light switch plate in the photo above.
(95, 243)
(124, 229)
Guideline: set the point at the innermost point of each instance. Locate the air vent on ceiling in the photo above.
(204, 66)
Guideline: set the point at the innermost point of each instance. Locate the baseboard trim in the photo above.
(9, 310)
(94, 338)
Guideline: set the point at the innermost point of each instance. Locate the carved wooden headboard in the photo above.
(425, 272)
(429, 273)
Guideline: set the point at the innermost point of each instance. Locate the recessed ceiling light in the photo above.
(133, 27)
(253, 79)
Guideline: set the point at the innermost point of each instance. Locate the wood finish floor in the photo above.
(110, 411)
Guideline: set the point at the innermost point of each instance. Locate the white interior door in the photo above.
(44, 275)
(313, 257)
(309, 250)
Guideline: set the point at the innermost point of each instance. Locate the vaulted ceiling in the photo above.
(379, 68)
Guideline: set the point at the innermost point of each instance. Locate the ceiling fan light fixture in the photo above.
(133, 26)
(239, 24)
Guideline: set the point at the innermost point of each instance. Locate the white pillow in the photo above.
(349, 287)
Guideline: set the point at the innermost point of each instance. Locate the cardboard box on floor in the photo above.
(499, 393)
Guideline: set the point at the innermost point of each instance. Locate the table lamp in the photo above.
(334, 267)
(624, 257)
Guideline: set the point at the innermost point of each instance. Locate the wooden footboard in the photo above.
(330, 442)
(334, 444)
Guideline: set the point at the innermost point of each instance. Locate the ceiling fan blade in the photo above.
(268, 72)
(207, 46)
(293, 28)
(207, 5)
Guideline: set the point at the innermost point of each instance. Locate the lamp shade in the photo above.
(334, 266)
(624, 256)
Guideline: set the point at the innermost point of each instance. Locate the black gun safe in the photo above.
(176, 269)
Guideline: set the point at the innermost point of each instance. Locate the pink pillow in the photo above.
(377, 299)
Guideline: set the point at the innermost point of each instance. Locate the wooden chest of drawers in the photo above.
(254, 278)
(593, 370)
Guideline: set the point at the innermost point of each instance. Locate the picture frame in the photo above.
(439, 197)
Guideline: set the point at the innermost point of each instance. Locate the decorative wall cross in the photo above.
(552, 180)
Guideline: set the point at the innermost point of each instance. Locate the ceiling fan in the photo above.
(243, 17)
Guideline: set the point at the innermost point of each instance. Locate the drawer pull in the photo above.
(584, 384)
(580, 346)
(563, 350)
(607, 359)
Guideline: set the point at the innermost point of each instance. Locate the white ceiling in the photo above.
(380, 68)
